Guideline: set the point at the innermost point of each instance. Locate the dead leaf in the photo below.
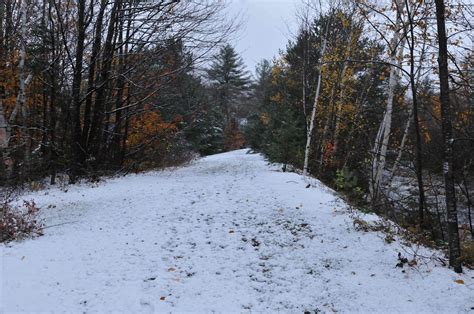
(231, 231)
(162, 298)
(412, 263)
(171, 269)
(459, 281)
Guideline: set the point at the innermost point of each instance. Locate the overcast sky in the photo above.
(267, 28)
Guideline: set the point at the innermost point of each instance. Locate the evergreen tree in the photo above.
(229, 81)
(255, 128)
(204, 128)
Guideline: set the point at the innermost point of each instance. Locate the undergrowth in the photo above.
(19, 222)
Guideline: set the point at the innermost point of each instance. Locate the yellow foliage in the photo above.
(277, 70)
(265, 118)
(463, 117)
(436, 107)
(427, 136)
(147, 126)
(277, 98)
(9, 82)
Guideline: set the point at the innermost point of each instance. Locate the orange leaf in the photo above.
(459, 281)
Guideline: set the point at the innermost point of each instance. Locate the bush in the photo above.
(18, 222)
(467, 253)
(347, 182)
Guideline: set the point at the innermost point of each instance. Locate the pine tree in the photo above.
(230, 82)
(255, 128)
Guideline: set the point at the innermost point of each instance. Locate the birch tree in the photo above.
(24, 80)
(383, 135)
(314, 110)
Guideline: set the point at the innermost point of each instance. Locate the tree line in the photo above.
(88, 87)
(376, 99)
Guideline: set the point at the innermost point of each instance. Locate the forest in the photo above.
(373, 98)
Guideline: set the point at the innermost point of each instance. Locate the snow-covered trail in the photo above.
(228, 234)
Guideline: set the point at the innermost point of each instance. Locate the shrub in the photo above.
(467, 253)
(18, 222)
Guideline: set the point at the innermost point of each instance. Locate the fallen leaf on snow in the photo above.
(459, 281)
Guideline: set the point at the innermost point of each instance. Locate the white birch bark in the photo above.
(309, 134)
(4, 140)
(5, 126)
(22, 90)
(383, 134)
(23, 79)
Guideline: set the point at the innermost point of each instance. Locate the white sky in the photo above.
(267, 28)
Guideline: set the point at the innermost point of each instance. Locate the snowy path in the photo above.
(226, 234)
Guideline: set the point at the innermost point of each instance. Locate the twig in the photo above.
(64, 223)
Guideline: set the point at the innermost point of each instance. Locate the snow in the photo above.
(227, 233)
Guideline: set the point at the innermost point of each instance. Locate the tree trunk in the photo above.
(383, 135)
(309, 134)
(418, 148)
(95, 136)
(53, 73)
(4, 139)
(402, 146)
(91, 81)
(418, 141)
(121, 85)
(447, 129)
(76, 148)
(24, 80)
